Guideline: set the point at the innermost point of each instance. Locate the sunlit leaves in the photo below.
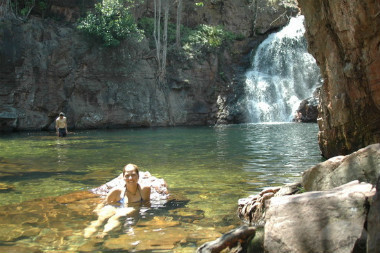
(111, 22)
(207, 38)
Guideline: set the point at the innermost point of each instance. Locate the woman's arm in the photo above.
(113, 196)
(145, 192)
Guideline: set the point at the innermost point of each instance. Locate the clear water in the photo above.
(209, 167)
(283, 73)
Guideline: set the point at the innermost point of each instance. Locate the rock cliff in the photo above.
(344, 37)
(46, 67)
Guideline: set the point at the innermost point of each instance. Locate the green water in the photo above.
(211, 167)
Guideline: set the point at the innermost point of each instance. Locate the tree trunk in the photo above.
(178, 27)
(157, 32)
(161, 43)
(165, 40)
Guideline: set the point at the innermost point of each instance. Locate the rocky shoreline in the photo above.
(335, 208)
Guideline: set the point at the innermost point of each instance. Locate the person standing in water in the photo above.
(61, 125)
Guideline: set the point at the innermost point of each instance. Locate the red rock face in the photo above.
(344, 37)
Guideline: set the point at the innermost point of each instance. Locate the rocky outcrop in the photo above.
(319, 221)
(338, 212)
(307, 112)
(273, 14)
(344, 37)
(363, 165)
(47, 67)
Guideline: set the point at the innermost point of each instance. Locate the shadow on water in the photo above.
(20, 176)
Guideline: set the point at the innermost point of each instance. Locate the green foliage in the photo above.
(203, 38)
(22, 7)
(147, 25)
(43, 5)
(110, 22)
(300, 190)
(207, 38)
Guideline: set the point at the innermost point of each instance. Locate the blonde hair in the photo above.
(133, 166)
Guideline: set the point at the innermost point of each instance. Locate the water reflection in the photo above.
(221, 142)
(61, 149)
(278, 153)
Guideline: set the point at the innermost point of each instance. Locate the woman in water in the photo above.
(133, 192)
(131, 195)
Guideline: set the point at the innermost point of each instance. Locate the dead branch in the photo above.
(230, 239)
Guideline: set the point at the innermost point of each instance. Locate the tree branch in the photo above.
(229, 239)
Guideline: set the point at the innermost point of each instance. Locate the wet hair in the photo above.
(134, 166)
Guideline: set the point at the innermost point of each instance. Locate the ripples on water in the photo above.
(209, 167)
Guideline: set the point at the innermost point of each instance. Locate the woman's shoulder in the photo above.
(145, 191)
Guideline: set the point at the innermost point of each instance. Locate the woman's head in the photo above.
(131, 171)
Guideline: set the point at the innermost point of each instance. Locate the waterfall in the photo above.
(282, 74)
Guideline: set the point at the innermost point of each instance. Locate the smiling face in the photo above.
(131, 174)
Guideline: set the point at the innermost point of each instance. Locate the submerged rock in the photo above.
(160, 239)
(6, 187)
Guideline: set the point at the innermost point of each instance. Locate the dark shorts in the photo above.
(62, 132)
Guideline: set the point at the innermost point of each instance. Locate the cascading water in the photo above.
(283, 73)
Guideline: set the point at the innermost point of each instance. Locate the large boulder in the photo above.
(320, 221)
(363, 165)
(373, 221)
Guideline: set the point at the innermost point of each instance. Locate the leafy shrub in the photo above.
(207, 38)
(203, 38)
(147, 25)
(111, 22)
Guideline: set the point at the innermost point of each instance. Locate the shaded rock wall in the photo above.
(46, 67)
(344, 37)
(52, 69)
